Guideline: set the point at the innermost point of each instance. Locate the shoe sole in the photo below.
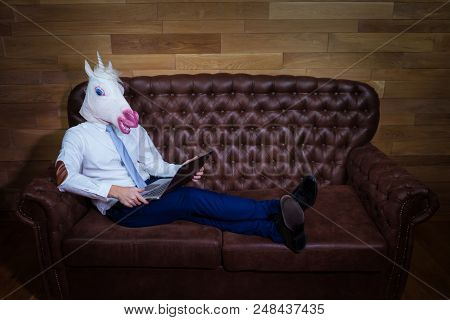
(292, 213)
(295, 242)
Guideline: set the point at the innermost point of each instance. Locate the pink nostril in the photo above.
(130, 117)
(128, 114)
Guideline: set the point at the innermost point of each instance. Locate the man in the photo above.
(110, 158)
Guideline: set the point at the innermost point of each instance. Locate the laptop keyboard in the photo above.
(156, 189)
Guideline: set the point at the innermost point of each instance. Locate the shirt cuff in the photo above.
(104, 190)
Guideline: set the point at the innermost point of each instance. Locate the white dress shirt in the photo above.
(94, 165)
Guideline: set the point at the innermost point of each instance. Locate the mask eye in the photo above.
(99, 91)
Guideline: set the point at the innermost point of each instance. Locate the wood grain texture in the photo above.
(6, 13)
(44, 46)
(383, 25)
(299, 25)
(86, 27)
(430, 174)
(122, 62)
(420, 10)
(213, 11)
(34, 153)
(62, 77)
(5, 29)
(270, 42)
(229, 61)
(415, 105)
(153, 72)
(88, 12)
(422, 160)
(32, 93)
(411, 74)
(165, 43)
(383, 145)
(18, 115)
(31, 137)
(411, 132)
(342, 60)
(442, 42)
(167, 1)
(20, 77)
(397, 118)
(203, 26)
(33, 115)
(81, 1)
(382, 42)
(421, 147)
(378, 85)
(42, 63)
(433, 60)
(274, 37)
(416, 89)
(338, 73)
(22, 2)
(442, 119)
(330, 10)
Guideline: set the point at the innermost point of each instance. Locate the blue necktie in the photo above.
(125, 156)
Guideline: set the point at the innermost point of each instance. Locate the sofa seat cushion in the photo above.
(339, 233)
(180, 244)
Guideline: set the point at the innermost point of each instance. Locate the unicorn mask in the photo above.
(104, 102)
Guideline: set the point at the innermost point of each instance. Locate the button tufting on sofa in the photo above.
(360, 190)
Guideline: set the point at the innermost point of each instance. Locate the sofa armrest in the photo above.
(395, 200)
(51, 214)
(41, 202)
(388, 191)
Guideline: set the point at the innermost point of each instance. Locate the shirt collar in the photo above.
(101, 126)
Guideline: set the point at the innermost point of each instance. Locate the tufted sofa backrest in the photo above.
(266, 131)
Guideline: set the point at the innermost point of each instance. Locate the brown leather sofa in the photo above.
(262, 129)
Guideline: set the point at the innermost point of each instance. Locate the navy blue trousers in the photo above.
(226, 212)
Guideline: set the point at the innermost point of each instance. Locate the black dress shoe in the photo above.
(290, 223)
(306, 192)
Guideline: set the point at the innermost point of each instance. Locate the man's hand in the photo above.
(128, 196)
(198, 175)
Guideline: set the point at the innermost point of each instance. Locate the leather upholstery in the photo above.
(53, 202)
(330, 247)
(52, 214)
(264, 124)
(396, 202)
(181, 244)
(386, 189)
(187, 244)
(260, 149)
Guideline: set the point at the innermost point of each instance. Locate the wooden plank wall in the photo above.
(411, 73)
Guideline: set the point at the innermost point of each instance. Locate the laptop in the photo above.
(158, 188)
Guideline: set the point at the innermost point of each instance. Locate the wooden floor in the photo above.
(430, 262)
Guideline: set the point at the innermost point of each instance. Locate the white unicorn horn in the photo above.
(88, 69)
(100, 62)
